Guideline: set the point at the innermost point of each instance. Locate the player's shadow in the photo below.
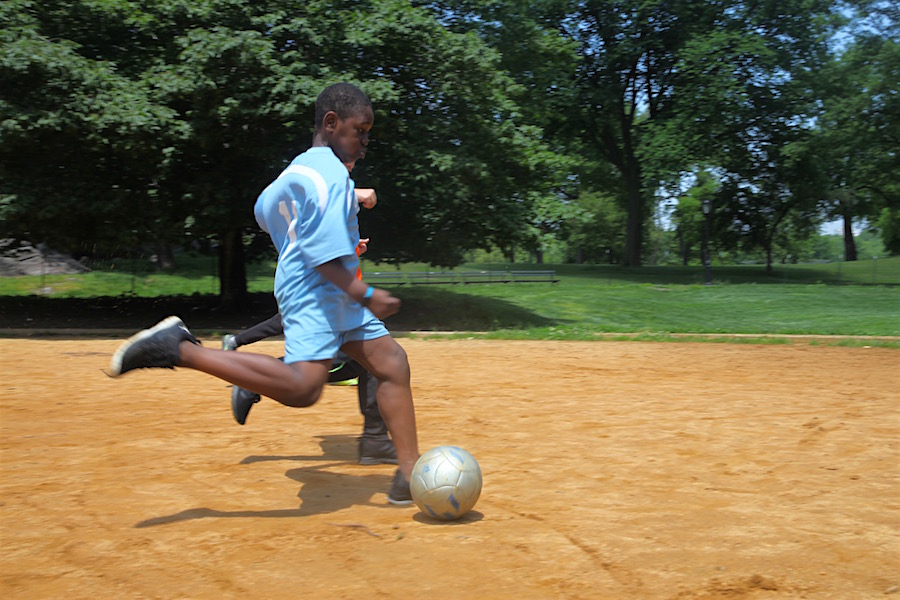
(340, 448)
(321, 490)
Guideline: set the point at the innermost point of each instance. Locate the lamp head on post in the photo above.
(706, 205)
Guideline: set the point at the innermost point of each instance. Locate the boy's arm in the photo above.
(381, 303)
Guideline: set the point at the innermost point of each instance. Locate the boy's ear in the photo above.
(329, 121)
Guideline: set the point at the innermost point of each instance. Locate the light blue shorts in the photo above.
(300, 345)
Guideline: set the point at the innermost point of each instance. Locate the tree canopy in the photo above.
(144, 123)
(503, 125)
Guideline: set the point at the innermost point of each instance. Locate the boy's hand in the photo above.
(366, 197)
(383, 304)
(362, 246)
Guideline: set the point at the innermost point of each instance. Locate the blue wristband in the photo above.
(367, 296)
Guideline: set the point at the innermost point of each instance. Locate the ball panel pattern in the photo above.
(446, 482)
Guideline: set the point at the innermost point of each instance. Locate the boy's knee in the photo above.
(398, 354)
(302, 391)
(304, 386)
(302, 397)
(396, 365)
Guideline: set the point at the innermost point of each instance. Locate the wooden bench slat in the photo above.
(456, 277)
(534, 276)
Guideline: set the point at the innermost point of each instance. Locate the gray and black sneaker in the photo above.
(229, 342)
(400, 494)
(156, 347)
(377, 451)
(241, 402)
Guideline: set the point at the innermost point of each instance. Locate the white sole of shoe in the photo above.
(399, 502)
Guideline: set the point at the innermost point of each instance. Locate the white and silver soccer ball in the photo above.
(446, 482)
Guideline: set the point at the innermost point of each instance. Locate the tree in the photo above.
(859, 129)
(595, 233)
(79, 142)
(641, 66)
(201, 104)
(620, 67)
(688, 216)
(450, 154)
(746, 106)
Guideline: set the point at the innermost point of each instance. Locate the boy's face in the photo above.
(349, 137)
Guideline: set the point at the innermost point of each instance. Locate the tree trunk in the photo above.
(165, 258)
(232, 270)
(770, 236)
(621, 153)
(685, 249)
(634, 224)
(849, 243)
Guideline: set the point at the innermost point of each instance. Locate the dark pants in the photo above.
(373, 423)
(268, 328)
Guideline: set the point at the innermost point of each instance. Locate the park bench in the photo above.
(433, 277)
(453, 277)
(484, 276)
(385, 278)
(534, 276)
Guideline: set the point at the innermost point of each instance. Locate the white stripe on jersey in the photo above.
(316, 178)
(285, 212)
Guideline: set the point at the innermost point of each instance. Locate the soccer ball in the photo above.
(446, 482)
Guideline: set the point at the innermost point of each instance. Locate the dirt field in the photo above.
(612, 470)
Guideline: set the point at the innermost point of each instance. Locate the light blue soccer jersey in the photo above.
(310, 212)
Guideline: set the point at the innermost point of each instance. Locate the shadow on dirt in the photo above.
(322, 490)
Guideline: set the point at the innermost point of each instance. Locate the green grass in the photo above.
(195, 275)
(593, 300)
(574, 310)
(885, 271)
(845, 299)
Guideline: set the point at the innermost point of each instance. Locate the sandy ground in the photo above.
(614, 470)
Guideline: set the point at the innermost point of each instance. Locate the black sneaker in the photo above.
(156, 347)
(377, 451)
(229, 342)
(400, 494)
(241, 402)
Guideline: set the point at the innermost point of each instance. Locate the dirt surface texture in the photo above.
(612, 470)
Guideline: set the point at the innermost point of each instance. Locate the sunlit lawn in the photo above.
(827, 299)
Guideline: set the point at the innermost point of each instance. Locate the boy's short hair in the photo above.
(345, 99)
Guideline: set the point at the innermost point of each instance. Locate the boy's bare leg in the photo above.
(298, 384)
(387, 361)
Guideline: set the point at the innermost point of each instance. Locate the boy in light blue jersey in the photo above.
(375, 445)
(309, 212)
(312, 307)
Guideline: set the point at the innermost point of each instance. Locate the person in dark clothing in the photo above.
(375, 445)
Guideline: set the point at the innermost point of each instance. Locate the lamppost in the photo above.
(706, 205)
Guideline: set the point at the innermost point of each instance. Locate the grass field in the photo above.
(835, 299)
